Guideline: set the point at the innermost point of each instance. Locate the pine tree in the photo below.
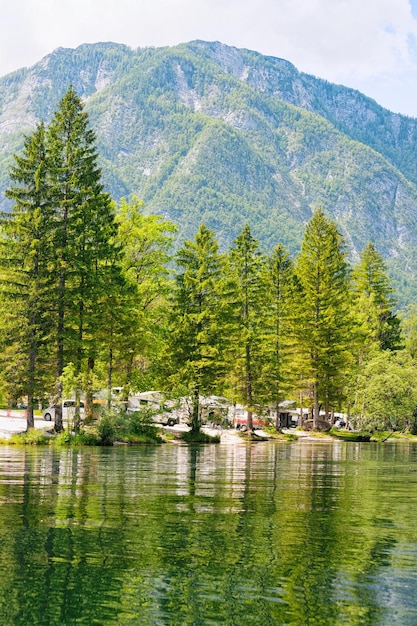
(248, 297)
(25, 264)
(374, 300)
(277, 340)
(82, 233)
(323, 319)
(197, 338)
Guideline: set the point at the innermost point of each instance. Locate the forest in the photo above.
(94, 297)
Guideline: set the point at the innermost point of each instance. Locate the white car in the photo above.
(68, 411)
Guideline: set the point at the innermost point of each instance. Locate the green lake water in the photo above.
(267, 533)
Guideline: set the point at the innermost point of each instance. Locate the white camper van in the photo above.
(68, 411)
(164, 411)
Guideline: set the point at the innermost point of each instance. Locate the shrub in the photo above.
(79, 439)
(33, 437)
(106, 429)
(63, 439)
(193, 436)
(136, 427)
(347, 435)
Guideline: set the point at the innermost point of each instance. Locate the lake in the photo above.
(266, 533)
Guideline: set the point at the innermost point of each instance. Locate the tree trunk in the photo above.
(30, 422)
(195, 420)
(249, 399)
(60, 332)
(110, 378)
(301, 420)
(316, 410)
(277, 417)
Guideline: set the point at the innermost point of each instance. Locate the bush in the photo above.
(347, 435)
(33, 437)
(192, 436)
(106, 429)
(136, 427)
(79, 439)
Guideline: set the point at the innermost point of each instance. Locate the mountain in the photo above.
(207, 132)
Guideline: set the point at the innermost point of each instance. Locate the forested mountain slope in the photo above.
(206, 132)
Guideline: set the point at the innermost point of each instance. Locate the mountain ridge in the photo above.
(208, 132)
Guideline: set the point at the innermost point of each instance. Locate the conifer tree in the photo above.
(373, 297)
(277, 339)
(248, 297)
(323, 320)
(197, 338)
(59, 237)
(26, 280)
(82, 233)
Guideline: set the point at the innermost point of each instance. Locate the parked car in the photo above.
(68, 410)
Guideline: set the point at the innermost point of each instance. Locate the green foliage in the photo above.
(26, 255)
(33, 437)
(278, 372)
(204, 142)
(408, 319)
(106, 429)
(347, 435)
(273, 433)
(136, 306)
(322, 325)
(136, 427)
(374, 300)
(56, 244)
(67, 438)
(386, 392)
(193, 436)
(248, 297)
(197, 338)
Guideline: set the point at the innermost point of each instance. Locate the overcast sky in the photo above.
(367, 44)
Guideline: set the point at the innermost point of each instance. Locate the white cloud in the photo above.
(346, 41)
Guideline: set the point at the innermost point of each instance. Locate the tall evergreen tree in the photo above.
(323, 309)
(83, 229)
(25, 264)
(374, 300)
(277, 340)
(197, 337)
(248, 298)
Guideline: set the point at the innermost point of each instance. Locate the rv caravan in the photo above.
(164, 412)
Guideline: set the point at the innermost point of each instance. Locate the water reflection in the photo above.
(236, 534)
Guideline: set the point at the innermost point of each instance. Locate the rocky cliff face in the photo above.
(206, 132)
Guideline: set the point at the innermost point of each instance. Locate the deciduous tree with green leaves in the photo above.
(138, 305)
(386, 396)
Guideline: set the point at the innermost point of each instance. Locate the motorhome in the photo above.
(164, 412)
(68, 410)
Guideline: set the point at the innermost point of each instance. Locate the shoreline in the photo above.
(13, 425)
